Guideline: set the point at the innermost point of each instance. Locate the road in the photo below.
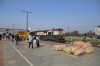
(21, 55)
(1, 54)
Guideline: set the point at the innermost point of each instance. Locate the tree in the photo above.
(67, 34)
(90, 34)
(75, 33)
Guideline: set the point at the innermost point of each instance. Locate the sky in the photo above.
(81, 15)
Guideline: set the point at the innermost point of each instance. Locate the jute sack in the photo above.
(68, 49)
(88, 47)
(79, 51)
(74, 43)
(86, 44)
(75, 48)
(78, 43)
(54, 47)
(59, 47)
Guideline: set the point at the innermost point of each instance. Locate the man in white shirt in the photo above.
(30, 40)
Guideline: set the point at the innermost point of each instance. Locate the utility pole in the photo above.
(13, 27)
(26, 22)
(27, 18)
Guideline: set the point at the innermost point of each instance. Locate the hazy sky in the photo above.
(81, 15)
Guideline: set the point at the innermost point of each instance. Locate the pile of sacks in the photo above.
(59, 47)
(77, 49)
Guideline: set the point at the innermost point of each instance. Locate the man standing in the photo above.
(30, 40)
(0, 37)
(17, 39)
(7, 36)
(37, 41)
(12, 37)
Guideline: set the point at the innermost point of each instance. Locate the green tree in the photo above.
(67, 34)
(90, 34)
(75, 33)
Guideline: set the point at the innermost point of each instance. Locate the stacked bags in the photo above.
(59, 47)
(77, 49)
(68, 49)
(86, 45)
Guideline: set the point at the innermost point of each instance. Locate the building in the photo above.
(49, 32)
(97, 30)
(10, 30)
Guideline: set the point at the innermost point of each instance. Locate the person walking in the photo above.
(31, 40)
(0, 37)
(37, 41)
(17, 39)
(7, 36)
(12, 37)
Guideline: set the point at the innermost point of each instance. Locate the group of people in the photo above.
(32, 38)
(9, 37)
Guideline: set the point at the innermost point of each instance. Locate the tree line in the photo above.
(89, 34)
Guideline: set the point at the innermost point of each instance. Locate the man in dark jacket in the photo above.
(12, 37)
(17, 39)
(0, 37)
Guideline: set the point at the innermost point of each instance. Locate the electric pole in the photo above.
(27, 18)
(13, 27)
(26, 21)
